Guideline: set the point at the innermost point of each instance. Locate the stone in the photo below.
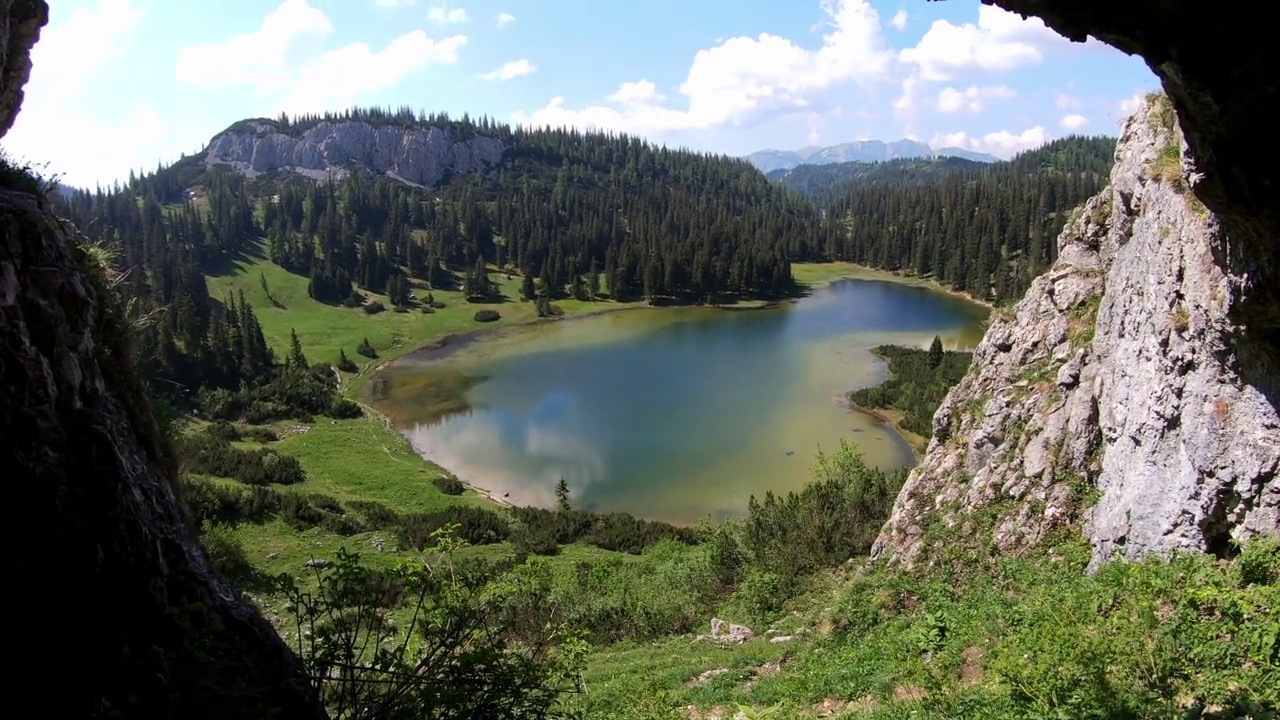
(421, 156)
(1154, 408)
(728, 632)
(780, 639)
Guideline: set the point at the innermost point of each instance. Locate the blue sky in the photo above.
(121, 84)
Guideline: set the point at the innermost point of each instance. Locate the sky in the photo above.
(120, 85)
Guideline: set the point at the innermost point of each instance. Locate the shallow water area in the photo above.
(669, 413)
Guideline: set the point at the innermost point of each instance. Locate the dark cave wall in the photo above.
(112, 608)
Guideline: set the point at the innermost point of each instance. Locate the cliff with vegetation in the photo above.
(416, 155)
(1112, 396)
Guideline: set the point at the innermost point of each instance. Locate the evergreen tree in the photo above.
(296, 359)
(562, 496)
(935, 352)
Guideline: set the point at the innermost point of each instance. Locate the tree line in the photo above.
(988, 230)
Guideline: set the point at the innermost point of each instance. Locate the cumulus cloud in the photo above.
(445, 16)
(505, 18)
(256, 58)
(510, 70)
(899, 20)
(266, 61)
(1074, 122)
(1001, 143)
(743, 80)
(57, 128)
(951, 100)
(340, 76)
(998, 41)
(1130, 105)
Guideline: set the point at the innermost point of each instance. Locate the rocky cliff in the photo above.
(1115, 395)
(420, 156)
(112, 608)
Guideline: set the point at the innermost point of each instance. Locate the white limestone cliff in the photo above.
(1111, 398)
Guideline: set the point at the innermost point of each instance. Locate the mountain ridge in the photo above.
(771, 159)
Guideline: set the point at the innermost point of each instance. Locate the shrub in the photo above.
(225, 553)
(208, 454)
(487, 315)
(344, 409)
(374, 307)
(366, 349)
(459, 655)
(448, 484)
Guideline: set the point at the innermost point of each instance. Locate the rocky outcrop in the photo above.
(1113, 396)
(1219, 70)
(112, 608)
(19, 29)
(417, 155)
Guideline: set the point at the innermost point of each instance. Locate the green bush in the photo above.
(448, 484)
(485, 316)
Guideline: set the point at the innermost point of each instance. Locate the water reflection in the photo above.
(669, 414)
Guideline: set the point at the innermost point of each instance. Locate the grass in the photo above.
(363, 459)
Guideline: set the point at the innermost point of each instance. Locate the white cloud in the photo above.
(505, 18)
(1074, 122)
(999, 41)
(951, 100)
(257, 58)
(444, 15)
(1002, 143)
(899, 20)
(339, 77)
(510, 70)
(56, 130)
(1130, 105)
(743, 80)
(637, 93)
(267, 60)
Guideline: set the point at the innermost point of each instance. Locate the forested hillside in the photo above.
(824, 182)
(575, 211)
(986, 231)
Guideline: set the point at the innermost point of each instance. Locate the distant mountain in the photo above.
(816, 180)
(858, 151)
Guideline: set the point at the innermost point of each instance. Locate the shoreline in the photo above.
(450, 343)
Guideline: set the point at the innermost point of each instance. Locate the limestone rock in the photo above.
(1112, 396)
(421, 156)
(728, 632)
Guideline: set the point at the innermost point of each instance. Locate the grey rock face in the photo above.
(420, 156)
(1111, 396)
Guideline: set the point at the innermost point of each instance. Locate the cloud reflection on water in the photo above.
(524, 455)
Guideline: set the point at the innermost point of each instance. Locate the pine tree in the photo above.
(935, 352)
(296, 360)
(562, 496)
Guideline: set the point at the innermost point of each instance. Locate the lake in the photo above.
(667, 413)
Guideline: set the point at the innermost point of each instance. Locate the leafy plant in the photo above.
(456, 655)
